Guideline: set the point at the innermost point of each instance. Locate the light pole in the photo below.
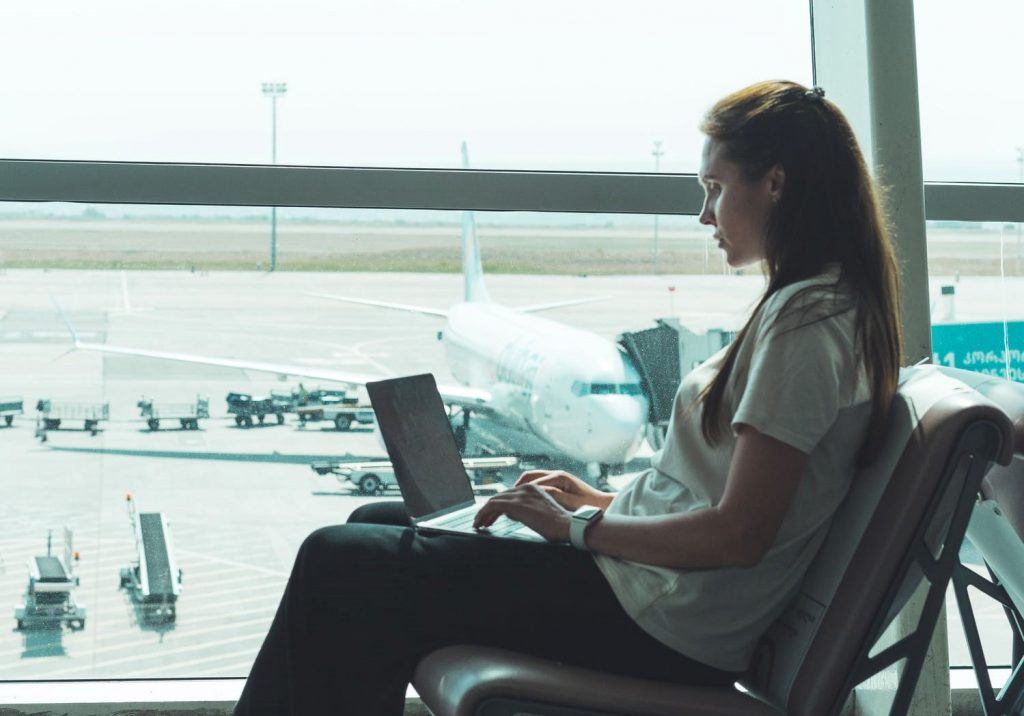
(273, 90)
(657, 154)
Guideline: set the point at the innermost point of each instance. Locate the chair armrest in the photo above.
(456, 680)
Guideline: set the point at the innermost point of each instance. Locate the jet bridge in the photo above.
(154, 581)
(662, 355)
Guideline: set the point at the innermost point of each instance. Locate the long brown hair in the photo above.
(829, 213)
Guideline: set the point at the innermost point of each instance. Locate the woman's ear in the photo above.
(776, 181)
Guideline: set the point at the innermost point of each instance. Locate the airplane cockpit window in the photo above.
(615, 389)
(580, 388)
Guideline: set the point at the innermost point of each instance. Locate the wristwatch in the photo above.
(582, 520)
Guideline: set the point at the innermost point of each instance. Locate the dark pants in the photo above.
(367, 600)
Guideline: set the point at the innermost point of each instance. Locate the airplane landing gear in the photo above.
(597, 475)
(462, 432)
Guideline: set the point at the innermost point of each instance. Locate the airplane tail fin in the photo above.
(472, 266)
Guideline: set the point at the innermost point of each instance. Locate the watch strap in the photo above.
(580, 522)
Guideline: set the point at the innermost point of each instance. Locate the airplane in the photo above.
(577, 392)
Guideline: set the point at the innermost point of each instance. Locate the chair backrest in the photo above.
(942, 438)
(996, 530)
(1004, 483)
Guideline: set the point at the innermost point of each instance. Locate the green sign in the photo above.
(981, 347)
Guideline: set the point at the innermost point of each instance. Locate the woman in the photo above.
(690, 563)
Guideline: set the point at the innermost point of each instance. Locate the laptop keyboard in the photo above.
(464, 523)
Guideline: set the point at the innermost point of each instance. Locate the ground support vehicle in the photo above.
(54, 412)
(373, 478)
(300, 397)
(9, 407)
(49, 598)
(187, 414)
(154, 580)
(343, 415)
(245, 407)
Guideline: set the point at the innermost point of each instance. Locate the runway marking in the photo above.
(154, 648)
(201, 607)
(277, 588)
(268, 616)
(155, 670)
(239, 668)
(233, 563)
(124, 294)
(162, 654)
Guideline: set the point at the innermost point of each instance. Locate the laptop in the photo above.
(438, 493)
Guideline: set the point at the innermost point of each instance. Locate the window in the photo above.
(236, 488)
(578, 84)
(970, 102)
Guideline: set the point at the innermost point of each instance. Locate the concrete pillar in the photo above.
(865, 59)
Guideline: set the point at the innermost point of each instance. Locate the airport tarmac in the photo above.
(239, 501)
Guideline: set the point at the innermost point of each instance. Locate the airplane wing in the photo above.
(557, 304)
(382, 304)
(444, 314)
(459, 395)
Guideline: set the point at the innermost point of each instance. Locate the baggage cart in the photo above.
(49, 597)
(344, 416)
(245, 407)
(187, 414)
(153, 581)
(301, 397)
(53, 413)
(9, 407)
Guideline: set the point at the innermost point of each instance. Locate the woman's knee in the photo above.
(355, 543)
(353, 567)
(381, 513)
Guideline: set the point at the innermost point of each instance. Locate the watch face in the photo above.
(587, 513)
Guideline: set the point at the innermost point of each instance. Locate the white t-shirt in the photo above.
(798, 379)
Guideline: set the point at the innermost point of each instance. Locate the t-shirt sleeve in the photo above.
(795, 384)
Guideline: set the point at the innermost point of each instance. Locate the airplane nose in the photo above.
(617, 424)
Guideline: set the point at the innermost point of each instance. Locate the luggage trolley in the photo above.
(53, 412)
(154, 581)
(10, 407)
(187, 414)
(49, 598)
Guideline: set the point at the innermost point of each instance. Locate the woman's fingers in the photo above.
(531, 505)
(567, 500)
(531, 476)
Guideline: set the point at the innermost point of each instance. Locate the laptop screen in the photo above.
(420, 442)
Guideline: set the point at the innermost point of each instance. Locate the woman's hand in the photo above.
(530, 505)
(567, 490)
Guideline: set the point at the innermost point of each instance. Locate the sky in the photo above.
(540, 84)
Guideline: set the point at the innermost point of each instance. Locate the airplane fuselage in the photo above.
(575, 390)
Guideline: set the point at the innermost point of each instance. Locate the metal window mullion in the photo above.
(342, 187)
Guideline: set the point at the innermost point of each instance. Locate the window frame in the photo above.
(98, 182)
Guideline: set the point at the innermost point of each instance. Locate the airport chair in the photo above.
(996, 529)
(903, 521)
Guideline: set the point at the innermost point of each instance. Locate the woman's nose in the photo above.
(707, 217)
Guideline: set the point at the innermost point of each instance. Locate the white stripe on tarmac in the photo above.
(240, 565)
(134, 657)
(193, 662)
(124, 294)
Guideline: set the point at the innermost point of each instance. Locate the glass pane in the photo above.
(975, 271)
(237, 492)
(971, 98)
(975, 274)
(577, 84)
